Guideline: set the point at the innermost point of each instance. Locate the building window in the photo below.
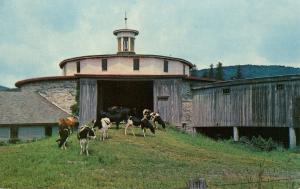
(136, 64)
(279, 87)
(166, 66)
(226, 91)
(125, 43)
(104, 64)
(78, 67)
(183, 69)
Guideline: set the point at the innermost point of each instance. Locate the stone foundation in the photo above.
(60, 92)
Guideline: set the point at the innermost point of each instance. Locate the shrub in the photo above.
(259, 143)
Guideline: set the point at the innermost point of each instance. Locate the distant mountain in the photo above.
(252, 71)
(2, 88)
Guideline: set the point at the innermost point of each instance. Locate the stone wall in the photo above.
(59, 92)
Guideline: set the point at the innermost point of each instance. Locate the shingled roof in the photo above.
(27, 108)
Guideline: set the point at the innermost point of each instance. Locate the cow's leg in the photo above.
(87, 148)
(126, 128)
(132, 129)
(144, 132)
(117, 124)
(81, 147)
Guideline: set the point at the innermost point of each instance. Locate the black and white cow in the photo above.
(64, 133)
(146, 124)
(116, 114)
(155, 117)
(84, 134)
(143, 123)
(131, 122)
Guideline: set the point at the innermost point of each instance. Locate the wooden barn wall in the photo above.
(249, 105)
(167, 99)
(88, 100)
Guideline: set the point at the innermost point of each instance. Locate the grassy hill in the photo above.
(166, 160)
(253, 71)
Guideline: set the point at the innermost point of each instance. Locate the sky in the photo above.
(35, 35)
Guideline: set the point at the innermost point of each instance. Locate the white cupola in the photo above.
(125, 39)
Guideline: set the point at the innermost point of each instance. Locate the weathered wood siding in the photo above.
(4, 133)
(88, 100)
(167, 99)
(27, 133)
(265, 103)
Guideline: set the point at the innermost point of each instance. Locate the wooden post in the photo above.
(197, 184)
(235, 134)
(292, 137)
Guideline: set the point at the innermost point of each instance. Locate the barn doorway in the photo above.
(130, 94)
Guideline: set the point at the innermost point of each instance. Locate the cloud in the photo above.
(39, 34)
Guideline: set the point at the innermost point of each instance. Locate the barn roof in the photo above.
(27, 108)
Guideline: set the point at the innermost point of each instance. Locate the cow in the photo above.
(146, 113)
(116, 114)
(64, 133)
(69, 122)
(143, 123)
(106, 124)
(131, 122)
(155, 117)
(84, 134)
(146, 124)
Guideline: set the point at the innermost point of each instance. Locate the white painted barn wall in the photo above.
(124, 66)
(27, 133)
(4, 133)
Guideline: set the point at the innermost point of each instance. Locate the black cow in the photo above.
(84, 134)
(64, 133)
(116, 114)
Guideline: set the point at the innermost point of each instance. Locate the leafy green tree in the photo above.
(211, 71)
(238, 74)
(205, 74)
(220, 72)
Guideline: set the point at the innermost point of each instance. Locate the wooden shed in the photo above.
(264, 106)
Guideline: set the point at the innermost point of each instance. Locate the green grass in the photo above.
(166, 160)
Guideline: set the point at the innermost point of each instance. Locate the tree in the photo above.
(220, 72)
(211, 72)
(238, 74)
(205, 74)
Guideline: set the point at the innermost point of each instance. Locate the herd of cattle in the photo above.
(116, 114)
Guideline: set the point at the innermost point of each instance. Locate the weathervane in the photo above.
(125, 20)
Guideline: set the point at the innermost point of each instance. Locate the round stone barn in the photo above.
(269, 107)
